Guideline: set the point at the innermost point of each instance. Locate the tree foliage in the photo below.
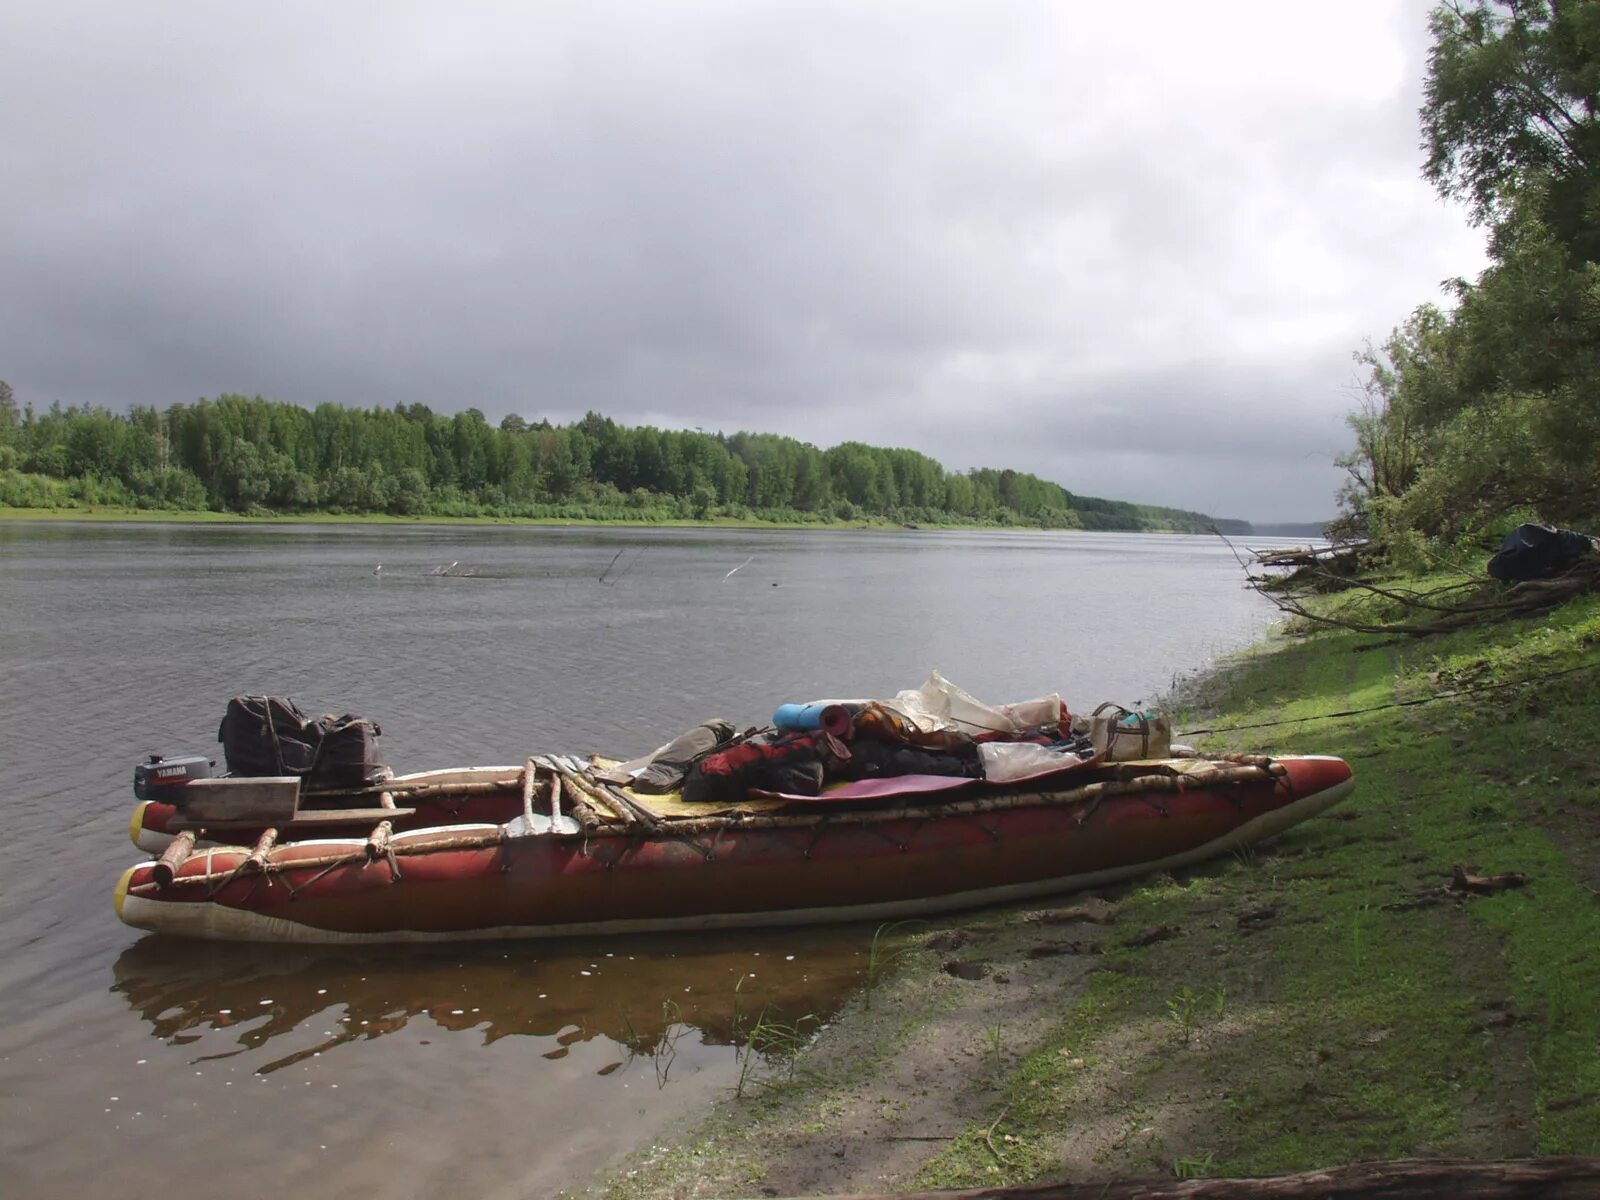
(246, 454)
(1511, 96)
(1487, 414)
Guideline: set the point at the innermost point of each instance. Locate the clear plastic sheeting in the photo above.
(940, 705)
(1011, 762)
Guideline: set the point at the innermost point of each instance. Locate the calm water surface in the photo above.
(504, 1070)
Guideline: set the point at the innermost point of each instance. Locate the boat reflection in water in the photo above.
(643, 994)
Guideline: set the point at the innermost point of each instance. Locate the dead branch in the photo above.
(1556, 1178)
(988, 1134)
(1410, 598)
(1462, 879)
(1525, 599)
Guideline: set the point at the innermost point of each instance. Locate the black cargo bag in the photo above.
(268, 735)
(348, 756)
(1537, 551)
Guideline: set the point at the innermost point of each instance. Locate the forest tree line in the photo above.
(250, 455)
(1486, 413)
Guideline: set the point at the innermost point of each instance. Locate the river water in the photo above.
(503, 1070)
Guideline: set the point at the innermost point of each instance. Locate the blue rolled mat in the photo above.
(804, 718)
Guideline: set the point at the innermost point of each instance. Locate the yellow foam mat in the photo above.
(673, 805)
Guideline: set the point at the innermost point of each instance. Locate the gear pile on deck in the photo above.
(840, 810)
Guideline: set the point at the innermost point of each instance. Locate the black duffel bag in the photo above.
(1538, 551)
(348, 754)
(268, 735)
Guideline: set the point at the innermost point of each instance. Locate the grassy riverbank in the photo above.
(1323, 999)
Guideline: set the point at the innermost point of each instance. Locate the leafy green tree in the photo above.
(244, 452)
(410, 493)
(10, 418)
(350, 490)
(1389, 434)
(245, 481)
(561, 473)
(288, 489)
(1511, 95)
(1472, 417)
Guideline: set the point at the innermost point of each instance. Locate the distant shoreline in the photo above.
(157, 516)
(152, 516)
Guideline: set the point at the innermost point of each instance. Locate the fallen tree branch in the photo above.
(1524, 599)
(1561, 1178)
(1413, 599)
(988, 1135)
(1462, 879)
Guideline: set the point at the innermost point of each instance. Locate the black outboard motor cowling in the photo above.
(165, 778)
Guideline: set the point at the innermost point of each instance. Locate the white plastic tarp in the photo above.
(940, 704)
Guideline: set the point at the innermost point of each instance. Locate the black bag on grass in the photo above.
(1535, 551)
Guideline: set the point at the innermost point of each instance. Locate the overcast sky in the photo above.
(1129, 248)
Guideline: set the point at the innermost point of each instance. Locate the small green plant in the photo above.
(775, 1041)
(1196, 1166)
(882, 954)
(738, 1004)
(1180, 1009)
(666, 1047)
(1358, 937)
(994, 1046)
(663, 1047)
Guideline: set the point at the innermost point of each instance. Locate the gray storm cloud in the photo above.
(1128, 252)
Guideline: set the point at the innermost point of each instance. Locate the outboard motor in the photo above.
(165, 778)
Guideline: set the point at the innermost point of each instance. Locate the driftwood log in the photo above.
(1569, 1178)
